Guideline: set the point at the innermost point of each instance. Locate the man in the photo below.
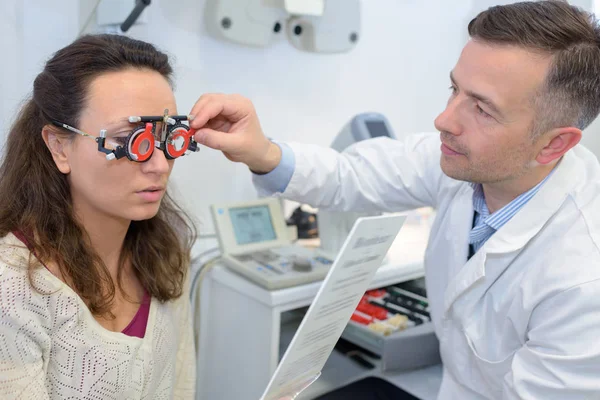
(513, 261)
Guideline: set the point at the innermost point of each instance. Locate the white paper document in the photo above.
(339, 295)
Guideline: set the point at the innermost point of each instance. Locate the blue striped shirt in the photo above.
(487, 224)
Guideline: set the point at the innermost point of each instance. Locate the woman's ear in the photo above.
(57, 143)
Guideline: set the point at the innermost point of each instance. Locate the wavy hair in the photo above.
(35, 197)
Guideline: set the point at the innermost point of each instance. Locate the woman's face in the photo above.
(118, 189)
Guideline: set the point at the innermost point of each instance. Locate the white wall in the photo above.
(11, 76)
(13, 12)
(30, 31)
(399, 68)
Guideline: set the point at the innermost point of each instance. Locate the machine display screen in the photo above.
(377, 129)
(252, 224)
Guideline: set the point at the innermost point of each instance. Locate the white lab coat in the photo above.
(521, 318)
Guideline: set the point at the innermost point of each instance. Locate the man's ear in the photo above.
(56, 143)
(558, 142)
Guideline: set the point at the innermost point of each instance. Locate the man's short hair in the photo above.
(570, 95)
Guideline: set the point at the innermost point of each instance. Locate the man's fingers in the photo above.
(216, 140)
(230, 107)
(219, 124)
(204, 112)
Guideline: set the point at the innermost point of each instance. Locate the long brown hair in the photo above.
(570, 95)
(35, 198)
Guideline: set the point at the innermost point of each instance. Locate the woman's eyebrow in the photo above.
(122, 122)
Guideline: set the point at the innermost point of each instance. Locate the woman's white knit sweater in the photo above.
(51, 347)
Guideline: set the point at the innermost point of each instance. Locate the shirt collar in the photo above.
(501, 216)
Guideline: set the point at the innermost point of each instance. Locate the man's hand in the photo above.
(229, 123)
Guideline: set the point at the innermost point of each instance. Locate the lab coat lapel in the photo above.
(463, 273)
(505, 245)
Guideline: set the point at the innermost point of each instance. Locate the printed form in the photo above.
(339, 295)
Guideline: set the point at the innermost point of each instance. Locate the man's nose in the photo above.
(448, 120)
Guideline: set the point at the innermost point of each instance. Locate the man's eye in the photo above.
(482, 112)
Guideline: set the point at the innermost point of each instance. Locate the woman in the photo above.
(93, 253)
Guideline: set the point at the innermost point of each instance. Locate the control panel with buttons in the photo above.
(255, 243)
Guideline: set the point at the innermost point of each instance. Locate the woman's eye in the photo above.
(120, 141)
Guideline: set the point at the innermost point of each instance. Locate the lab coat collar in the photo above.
(530, 219)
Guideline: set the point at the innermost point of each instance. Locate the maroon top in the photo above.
(137, 326)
